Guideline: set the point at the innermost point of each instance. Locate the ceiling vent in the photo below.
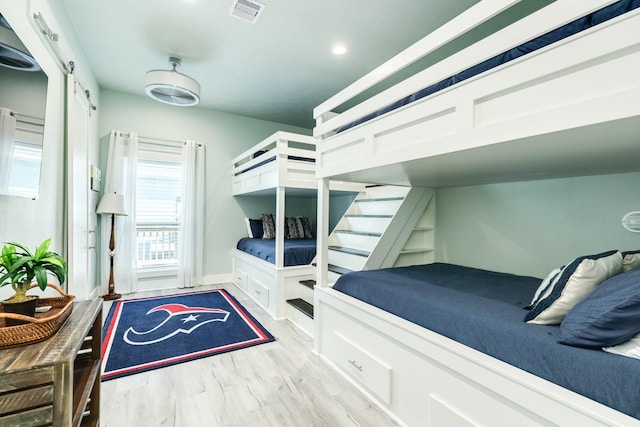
(247, 10)
(172, 87)
(13, 54)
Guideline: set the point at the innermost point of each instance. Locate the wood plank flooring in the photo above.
(275, 384)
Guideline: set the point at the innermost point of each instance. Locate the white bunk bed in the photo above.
(282, 164)
(568, 109)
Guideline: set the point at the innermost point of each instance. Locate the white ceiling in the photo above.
(278, 69)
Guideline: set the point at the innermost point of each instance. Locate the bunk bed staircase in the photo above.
(385, 226)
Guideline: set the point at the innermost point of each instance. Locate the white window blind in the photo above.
(158, 187)
(25, 168)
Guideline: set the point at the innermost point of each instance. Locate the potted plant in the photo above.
(19, 268)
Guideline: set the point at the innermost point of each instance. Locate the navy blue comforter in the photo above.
(483, 310)
(296, 251)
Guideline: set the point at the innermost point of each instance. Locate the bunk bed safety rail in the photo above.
(538, 23)
(280, 145)
(458, 26)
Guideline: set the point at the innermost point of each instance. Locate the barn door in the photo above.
(81, 217)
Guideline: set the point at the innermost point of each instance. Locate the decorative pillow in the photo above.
(608, 316)
(545, 287)
(258, 153)
(629, 348)
(249, 232)
(306, 228)
(257, 231)
(291, 229)
(575, 281)
(268, 226)
(630, 260)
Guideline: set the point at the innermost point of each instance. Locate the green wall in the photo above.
(225, 136)
(532, 227)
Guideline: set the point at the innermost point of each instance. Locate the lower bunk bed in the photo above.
(446, 345)
(257, 273)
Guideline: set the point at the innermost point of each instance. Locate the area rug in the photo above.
(150, 333)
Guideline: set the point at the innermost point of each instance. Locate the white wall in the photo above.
(224, 135)
(532, 227)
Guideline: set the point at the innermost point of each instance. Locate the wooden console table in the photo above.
(57, 381)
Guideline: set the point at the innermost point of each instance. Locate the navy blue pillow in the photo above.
(256, 228)
(608, 316)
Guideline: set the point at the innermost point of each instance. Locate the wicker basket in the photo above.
(40, 327)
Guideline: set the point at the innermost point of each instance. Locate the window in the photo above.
(25, 168)
(158, 196)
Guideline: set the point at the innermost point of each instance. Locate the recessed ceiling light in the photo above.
(339, 50)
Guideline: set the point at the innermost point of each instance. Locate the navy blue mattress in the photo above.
(484, 310)
(272, 159)
(574, 27)
(296, 251)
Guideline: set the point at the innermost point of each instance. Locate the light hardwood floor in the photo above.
(281, 383)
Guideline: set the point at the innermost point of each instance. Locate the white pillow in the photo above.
(544, 289)
(630, 261)
(629, 348)
(572, 285)
(249, 232)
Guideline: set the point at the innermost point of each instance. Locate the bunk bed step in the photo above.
(302, 305)
(308, 283)
(359, 233)
(367, 216)
(379, 199)
(350, 251)
(338, 270)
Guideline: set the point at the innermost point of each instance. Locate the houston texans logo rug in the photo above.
(150, 333)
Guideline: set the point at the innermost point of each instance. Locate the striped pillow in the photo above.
(268, 226)
(572, 285)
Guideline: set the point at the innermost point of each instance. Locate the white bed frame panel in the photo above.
(267, 284)
(283, 171)
(563, 102)
(424, 379)
(585, 80)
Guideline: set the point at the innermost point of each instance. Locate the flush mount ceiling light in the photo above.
(172, 87)
(247, 10)
(339, 49)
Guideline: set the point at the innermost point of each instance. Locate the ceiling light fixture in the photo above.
(339, 50)
(13, 54)
(171, 87)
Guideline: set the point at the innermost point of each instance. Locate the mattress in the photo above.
(484, 310)
(273, 159)
(296, 251)
(567, 30)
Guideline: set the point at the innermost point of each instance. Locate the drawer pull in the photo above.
(355, 365)
(257, 292)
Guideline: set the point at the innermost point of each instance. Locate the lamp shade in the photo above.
(112, 203)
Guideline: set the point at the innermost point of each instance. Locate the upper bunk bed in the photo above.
(283, 159)
(553, 94)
